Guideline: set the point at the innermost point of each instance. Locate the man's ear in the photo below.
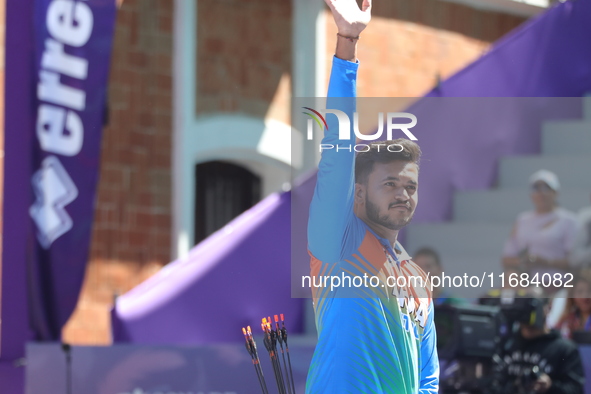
(359, 193)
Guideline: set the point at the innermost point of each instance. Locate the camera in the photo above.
(474, 343)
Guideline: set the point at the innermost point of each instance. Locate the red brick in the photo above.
(164, 82)
(137, 59)
(133, 29)
(165, 7)
(137, 238)
(163, 62)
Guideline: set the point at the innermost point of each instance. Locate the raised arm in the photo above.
(350, 21)
(332, 205)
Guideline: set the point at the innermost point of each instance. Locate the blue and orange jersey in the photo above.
(377, 338)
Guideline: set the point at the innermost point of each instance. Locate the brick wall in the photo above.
(244, 57)
(132, 229)
(409, 43)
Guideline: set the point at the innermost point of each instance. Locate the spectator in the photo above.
(541, 239)
(429, 261)
(577, 314)
(536, 359)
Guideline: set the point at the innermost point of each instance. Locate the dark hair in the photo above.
(378, 152)
(430, 252)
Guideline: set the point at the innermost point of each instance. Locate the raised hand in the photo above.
(350, 20)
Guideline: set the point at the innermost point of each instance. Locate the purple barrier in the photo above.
(234, 278)
(136, 369)
(131, 369)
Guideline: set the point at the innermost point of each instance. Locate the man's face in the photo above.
(390, 194)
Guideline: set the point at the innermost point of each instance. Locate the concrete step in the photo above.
(574, 172)
(503, 206)
(587, 106)
(566, 138)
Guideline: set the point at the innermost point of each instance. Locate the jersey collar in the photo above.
(399, 253)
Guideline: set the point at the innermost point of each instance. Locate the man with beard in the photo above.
(376, 335)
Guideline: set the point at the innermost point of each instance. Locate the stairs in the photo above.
(473, 241)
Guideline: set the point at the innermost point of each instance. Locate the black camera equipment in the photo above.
(473, 340)
(466, 342)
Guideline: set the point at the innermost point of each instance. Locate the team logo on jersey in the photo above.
(413, 311)
(411, 295)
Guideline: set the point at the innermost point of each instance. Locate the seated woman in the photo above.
(542, 239)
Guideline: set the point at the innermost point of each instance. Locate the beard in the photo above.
(373, 214)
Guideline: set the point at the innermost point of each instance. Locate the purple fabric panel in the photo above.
(17, 195)
(548, 56)
(232, 279)
(65, 174)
